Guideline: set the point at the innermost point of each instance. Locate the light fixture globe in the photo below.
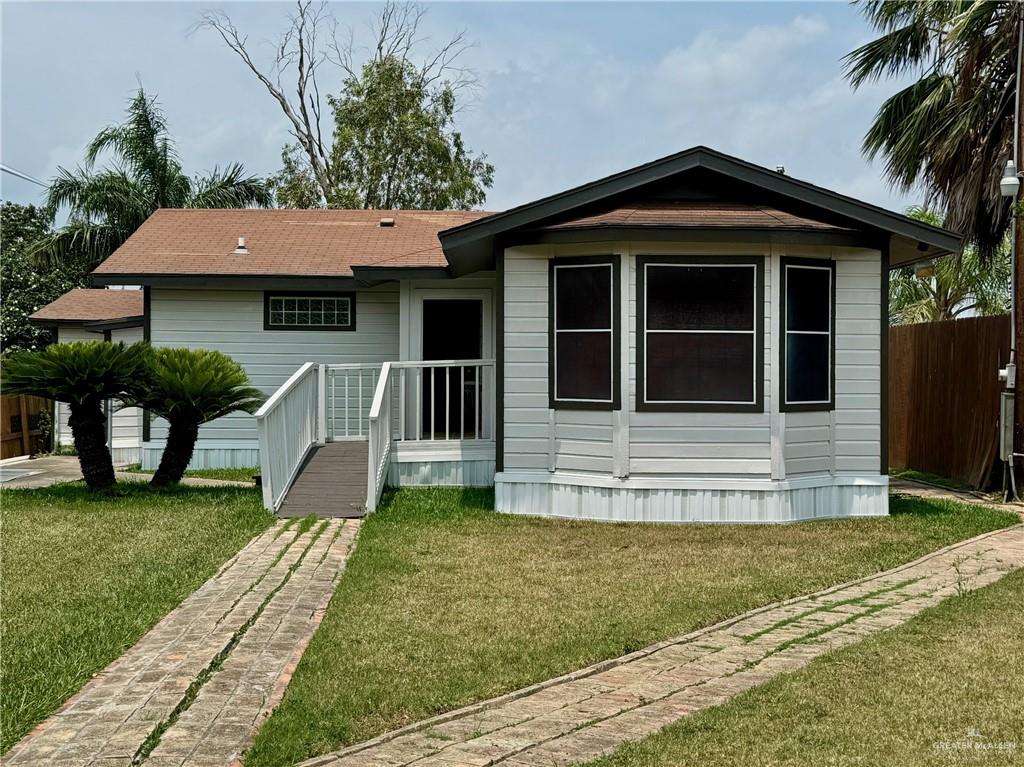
(1009, 184)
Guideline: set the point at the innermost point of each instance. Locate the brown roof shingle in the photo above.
(92, 305)
(689, 214)
(325, 243)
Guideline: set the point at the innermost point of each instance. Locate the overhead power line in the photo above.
(24, 176)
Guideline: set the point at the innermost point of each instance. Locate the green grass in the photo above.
(928, 478)
(445, 602)
(904, 697)
(234, 475)
(84, 576)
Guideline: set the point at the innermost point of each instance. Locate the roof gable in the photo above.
(694, 174)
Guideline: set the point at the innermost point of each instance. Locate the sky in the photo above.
(568, 92)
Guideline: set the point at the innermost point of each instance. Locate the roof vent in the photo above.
(780, 169)
(387, 222)
(240, 249)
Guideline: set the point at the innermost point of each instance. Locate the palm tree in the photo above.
(84, 374)
(951, 130)
(109, 204)
(189, 387)
(959, 286)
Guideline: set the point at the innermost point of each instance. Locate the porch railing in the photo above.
(288, 427)
(417, 402)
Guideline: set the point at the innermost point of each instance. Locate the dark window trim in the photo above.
(350, 295)
(806, 407)
(757, 406)
(614, 261)
(147, 336)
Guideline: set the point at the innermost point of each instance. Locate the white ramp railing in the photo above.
(444, 400)
(379, 438)
(349, 390)
(288, 428)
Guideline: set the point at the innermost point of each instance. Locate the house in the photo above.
(694, 339)
(94, 315)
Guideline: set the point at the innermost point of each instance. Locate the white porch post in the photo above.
(321, 406)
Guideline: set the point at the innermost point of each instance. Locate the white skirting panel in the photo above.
(207, 457)
(122, 456)
(477, 473)
(745, 501)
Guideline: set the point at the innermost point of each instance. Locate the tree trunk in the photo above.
(89, 430)
(181, 441)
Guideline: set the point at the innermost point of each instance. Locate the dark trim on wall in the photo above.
(147, 335)
(350, 295)
(375, 275)
(770, 236)
(805, 407)
(641, 323)
(228, 282)
(499, 360)
(97, 326)
(883, 366)
(616, 291)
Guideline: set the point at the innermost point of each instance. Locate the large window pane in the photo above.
(700, 367)
(700, 297)
(808, 298)
(583, 297)
(807, 368)
(583, 366)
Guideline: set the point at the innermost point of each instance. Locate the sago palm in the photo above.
(83, 374)
(959, 286)
(950, 131)
(107, 205)
(190, 387)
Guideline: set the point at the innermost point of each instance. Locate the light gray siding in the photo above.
(678, 466)
(231, 321)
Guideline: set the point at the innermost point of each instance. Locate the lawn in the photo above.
(928, 478)
(234, 475)
(445, 602)
(905, 697)
(85, 576)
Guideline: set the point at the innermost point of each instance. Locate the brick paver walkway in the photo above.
(589, 713)
(196, 687)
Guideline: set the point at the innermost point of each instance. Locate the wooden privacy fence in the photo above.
(20, 417)
(944, 396)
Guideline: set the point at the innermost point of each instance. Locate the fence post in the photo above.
(321, 411)
(26, 438)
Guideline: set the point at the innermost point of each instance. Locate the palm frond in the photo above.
(230, 188)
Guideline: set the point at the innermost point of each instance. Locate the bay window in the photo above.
(699, 333)
(583, 323)
(807, 334)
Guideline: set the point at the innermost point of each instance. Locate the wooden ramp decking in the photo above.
(332, 483)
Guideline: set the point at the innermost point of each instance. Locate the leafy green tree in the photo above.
(959, 286)
(190, 387)
(107, 205)
(84, 374)
(395, 146)
(950, 130)
(393, 143)
(26, 285)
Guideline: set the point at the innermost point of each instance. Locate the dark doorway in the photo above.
(452, 330)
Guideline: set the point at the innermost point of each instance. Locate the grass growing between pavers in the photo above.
(943, 689)
(233, 475)
(85, 576)
(445, 602)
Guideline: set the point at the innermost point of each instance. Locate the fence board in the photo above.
(19, 424)
(944, 396)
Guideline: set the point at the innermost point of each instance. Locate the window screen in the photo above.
(700, 334)
(583, 361)
(308, 312)
(808, 334)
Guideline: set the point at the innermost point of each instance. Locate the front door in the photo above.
(452, 330)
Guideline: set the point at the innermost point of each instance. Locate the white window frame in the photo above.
(757, 311)
(610, 265)
(273, 297)
(830, 333)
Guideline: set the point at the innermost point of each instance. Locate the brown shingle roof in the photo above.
(92, 305)
(325, 243)
(691, 214)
